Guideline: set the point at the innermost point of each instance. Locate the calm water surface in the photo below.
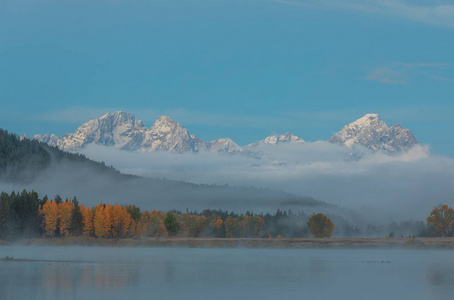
(184, 273)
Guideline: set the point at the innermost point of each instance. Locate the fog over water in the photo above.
(184, 273)
(407, 185)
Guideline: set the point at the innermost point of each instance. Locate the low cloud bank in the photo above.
(406, 185)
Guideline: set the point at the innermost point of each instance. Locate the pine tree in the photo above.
(77, 224)
(171, 224)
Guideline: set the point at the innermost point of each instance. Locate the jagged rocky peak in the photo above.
(368, 120)
(119, 118)
(283, 138)
(224, 145)
(168, 135)
(121, 130)
(165, 124)
(46, 138)
(370, 131)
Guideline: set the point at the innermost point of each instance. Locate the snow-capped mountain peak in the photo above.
(276, 140)
(165, 124)
(121, 130)
(224, 145)
(370, 131)
(283, 138)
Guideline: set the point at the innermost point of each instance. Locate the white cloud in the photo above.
(404, 73)
(435, 14)
(410, 183)
(387, 75)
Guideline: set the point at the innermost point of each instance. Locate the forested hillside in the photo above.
(23, 160)
(31, 165)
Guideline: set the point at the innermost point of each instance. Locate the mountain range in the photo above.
(122, 131)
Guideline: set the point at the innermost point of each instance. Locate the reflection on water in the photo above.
(441, 276)
(97, 276)
(183, 273)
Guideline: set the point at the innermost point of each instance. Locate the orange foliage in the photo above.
(120, 221)
(99, 220)
(153, 224)
(243, 226)
(320, 226)
(231, 227)
(65, 210)
(442, 219)
(137, 229)
(49, 211)
(87, 216)
(191, 225)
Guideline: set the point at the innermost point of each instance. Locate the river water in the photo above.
(209, 273)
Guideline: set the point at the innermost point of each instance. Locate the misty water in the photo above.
(208, 273)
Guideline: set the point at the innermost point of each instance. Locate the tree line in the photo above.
(25, 215)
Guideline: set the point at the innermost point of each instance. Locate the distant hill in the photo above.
(22, 160)
(48, 170)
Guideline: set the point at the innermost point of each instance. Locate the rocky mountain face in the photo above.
(371, 132)
(278, 139)
(123, 131)
(224, 146)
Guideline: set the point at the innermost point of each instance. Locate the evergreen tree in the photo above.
(58, 199)
(171, 224)
(77, 224)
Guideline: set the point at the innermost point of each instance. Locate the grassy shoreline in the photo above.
(423, 243)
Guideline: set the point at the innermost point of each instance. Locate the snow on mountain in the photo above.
(167, 135)
(225, 145)
(122, 131)
(46, 138)
(277, 139)
(371, 132)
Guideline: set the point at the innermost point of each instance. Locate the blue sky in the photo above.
(238, 69)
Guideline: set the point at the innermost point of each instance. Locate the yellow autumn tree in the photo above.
(120, 221)
(231, 227)
(49, 212)
(137, 229)
(115, 216)
(87, 219)
(153, 223)
(107, 220)
(99, 220)
(191, 225)
(441, 218)
(125, 222)
(320, 226)
(65, 210)
(215, 224)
